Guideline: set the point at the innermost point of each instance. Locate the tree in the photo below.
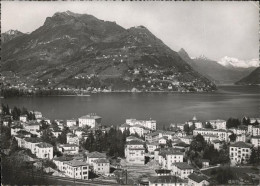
(208, 126)
(62, 138)
(246, 121)
(232, 137)
(232, 122)
(223, 175)
(186, 128)
(16, 112)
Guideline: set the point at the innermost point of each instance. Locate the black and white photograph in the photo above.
(146, 93)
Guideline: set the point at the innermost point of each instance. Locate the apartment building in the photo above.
(76, 169)
(91, 120)
(239, 152)
(150, 124)
(134, 152)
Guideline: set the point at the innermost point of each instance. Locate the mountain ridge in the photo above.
(81, 51)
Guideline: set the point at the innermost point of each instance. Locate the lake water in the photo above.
(166, 108)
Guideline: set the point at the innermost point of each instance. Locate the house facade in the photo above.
(90, 120)
(134, 152)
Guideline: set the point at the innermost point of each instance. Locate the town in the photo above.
(138, 152)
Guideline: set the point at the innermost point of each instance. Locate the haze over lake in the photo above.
(166, 108)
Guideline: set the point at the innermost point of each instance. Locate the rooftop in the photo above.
(101, 161)
(162, 171)
(44, 145)
(90, 116)
(256, 137)
(165, 179)
(197, 178)
(33, 140)
(76, 163)
(183, 165)
(96, 154)
(134, 142)
(240, 144)
(63, 158)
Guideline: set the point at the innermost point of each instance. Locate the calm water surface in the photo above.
(166, 108)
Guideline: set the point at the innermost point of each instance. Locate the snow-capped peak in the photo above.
(234, 62)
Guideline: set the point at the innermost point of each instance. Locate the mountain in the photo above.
(213, 70)
(80, 51)
(252, 79)
(236, 63)
(10, 34)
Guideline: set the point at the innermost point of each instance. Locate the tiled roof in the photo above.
(76, 163)
(33, 140)
(197, 178)
(90, 117)
(165, 179)
(162, 171)
(135, 142)
(183, 165)
(96, 155)
(240, 144)
(44, 145)
(63, 158)
(101, 161)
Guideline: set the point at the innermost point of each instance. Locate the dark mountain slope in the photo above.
(252, 79)
(81, 51)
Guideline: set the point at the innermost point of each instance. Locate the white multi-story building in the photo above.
(138, 129)
(44, 150)
(150, 124)
(255, 140)
(71, 122)
(239, 152)
(72, 139)
(32, 127)
(101, 166)
(23, 118)
(186, 139)
(210, 137)
(241, 137)
(256, 130)
(152, 146)
(59, 162)
(31, 143)
(218, 124)
(134, 152)
(198, 124)
(90, 120)
(37, 114)
(222, 134)
(68, 148)
(197, 180)
(168, 157)
(76, 169)
(93, 156)
(182, 169)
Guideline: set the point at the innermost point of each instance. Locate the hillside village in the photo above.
(194, 152)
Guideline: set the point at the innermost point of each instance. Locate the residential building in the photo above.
(169, 156)
(241, 137)
(198, 124)
(163, 172)
(131, 138)
(15, 129)
(150, 124)
(152, 146)
(256, 130)
(91, 120)
(68, 148)
(182, 169)
(71, 122)
(59, 162)
(43, 119)
(205, 163)
(124, 127)
(197, 180)
(44, 150)
(155, 136)
(210, 137)
(134, 152)
(239, 152)
(138, 129)
(23, 118)
(218, 124)
(101, 166)
(255, 140)
(162, 140)
(222, 134)
(92, 156)
(187, 139)
(32, 127)
(72, 139)
(31, 143)
(56, 133)
(254, 120)
(166, 181)
(76, 169)
(37, 114)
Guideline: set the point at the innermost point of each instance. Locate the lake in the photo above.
(166, 108)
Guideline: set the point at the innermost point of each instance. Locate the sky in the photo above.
(214, 29)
